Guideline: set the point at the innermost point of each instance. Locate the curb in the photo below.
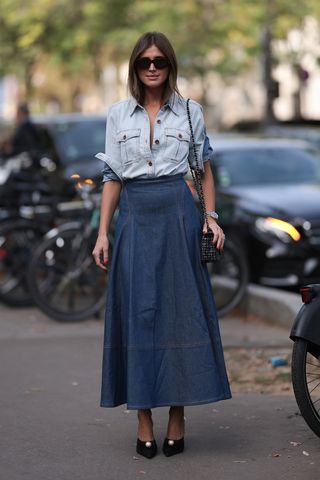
(274, 306)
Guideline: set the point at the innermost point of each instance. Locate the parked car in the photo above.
(268, 197)
(71, 141)
(308, 133)
(68, 145)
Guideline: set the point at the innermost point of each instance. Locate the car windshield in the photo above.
(261, 166)
(79, 139)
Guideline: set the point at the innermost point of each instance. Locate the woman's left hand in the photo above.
(218, 234)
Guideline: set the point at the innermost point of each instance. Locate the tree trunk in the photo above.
(268, 81)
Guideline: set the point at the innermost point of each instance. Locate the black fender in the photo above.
(307, 322)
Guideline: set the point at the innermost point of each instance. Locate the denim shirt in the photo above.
(127, 145)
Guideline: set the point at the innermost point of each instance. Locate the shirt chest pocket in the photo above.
(129, 141)
(177, 144)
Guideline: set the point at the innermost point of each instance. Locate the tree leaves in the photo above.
(208, 35)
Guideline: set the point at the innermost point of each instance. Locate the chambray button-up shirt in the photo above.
(128, 153)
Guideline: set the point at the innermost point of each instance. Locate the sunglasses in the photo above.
(145, 62)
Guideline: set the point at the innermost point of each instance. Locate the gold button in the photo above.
(150, 164)
(157, 141)
(124, 137)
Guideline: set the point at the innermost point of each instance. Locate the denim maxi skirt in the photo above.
(162, 343)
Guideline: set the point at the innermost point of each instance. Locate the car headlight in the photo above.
(281, 229)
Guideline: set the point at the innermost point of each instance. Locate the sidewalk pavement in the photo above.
(52, 427)
(275, 306)
(237, 331)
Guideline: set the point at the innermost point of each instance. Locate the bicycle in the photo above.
(229, 278)
(29, 207)
(62, 276)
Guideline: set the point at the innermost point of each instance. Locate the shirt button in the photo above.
(157, 142)
(180, 136)
(159, 121)
(150, 164)
(124, 137)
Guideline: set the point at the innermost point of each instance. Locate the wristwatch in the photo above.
(213, 214)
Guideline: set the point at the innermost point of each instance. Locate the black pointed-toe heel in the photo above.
(172, 447)
(147, 449)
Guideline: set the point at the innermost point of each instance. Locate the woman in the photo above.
(162, 344)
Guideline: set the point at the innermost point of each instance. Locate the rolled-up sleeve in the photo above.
(108, 174)
(207, 149)
(112, 158)
(198, 127)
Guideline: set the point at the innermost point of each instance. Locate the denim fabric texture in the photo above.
(162, 343)
(128, 153)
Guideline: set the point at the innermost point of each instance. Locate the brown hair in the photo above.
(146, 40)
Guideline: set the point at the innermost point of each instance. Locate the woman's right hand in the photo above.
(100, 252)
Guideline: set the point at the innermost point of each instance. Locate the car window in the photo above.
(79, 140)
(267, 166)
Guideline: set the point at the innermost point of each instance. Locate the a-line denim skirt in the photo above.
(162, 343)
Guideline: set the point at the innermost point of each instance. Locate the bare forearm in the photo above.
(208, 188)
(109, 201)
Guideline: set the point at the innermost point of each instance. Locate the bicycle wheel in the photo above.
(229, 278)
(65, 282)
(17, 239)
(305, 370)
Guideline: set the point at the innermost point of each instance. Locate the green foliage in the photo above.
(81, 36)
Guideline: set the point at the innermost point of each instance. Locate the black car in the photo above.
(268, 197)
(67, 145)
(71, 141)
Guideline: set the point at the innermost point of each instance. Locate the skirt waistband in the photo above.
(152, 180)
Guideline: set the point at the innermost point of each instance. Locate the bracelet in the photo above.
(213, 214)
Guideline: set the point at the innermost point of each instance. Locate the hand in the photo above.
(100, 252)
(218, 234)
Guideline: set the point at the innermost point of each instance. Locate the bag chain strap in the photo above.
(196, 174)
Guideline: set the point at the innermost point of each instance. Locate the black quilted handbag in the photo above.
(209, 253)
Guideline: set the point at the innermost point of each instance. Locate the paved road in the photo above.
(52, 427)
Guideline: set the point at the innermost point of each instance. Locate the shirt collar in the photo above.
(172, 103)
